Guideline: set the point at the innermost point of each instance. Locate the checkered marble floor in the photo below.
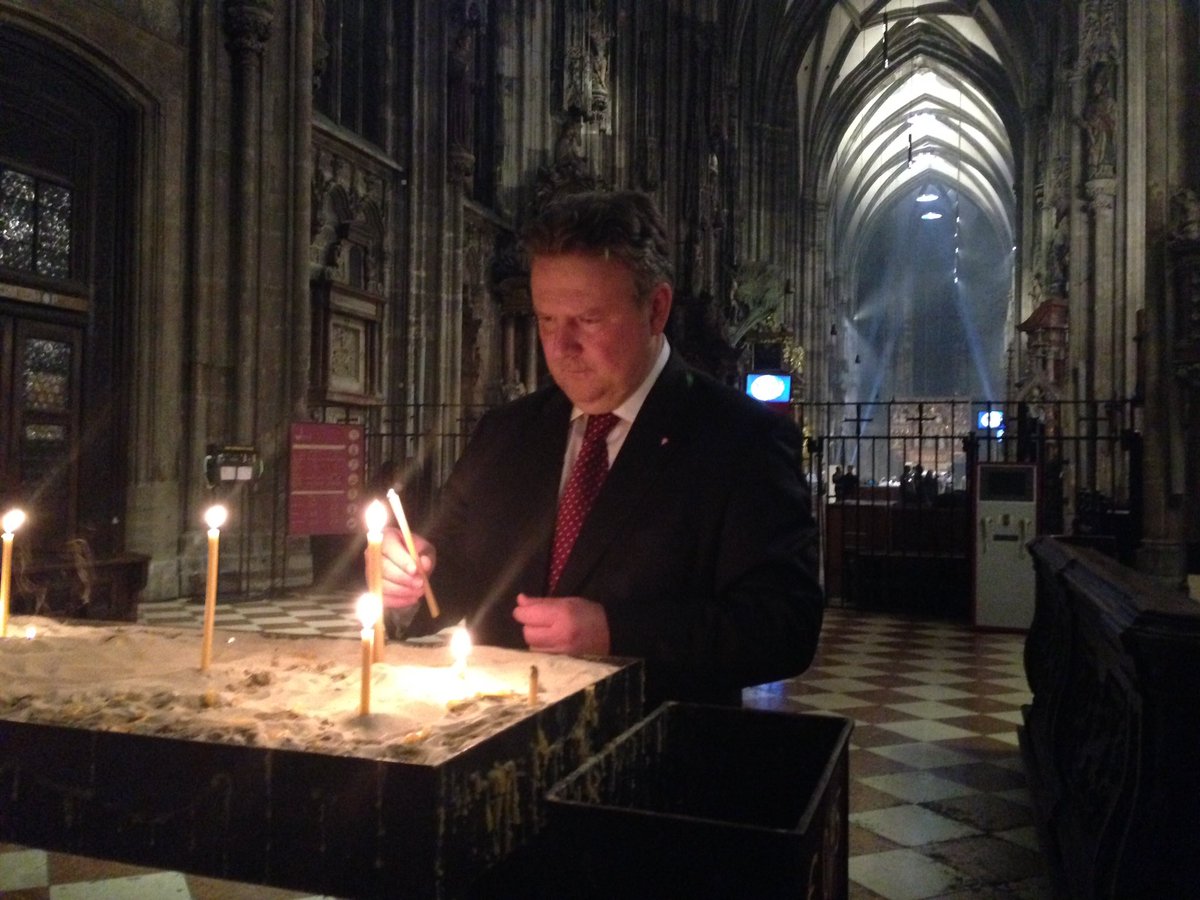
(938, 804)
(311, 615)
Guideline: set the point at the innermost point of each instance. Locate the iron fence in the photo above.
(893, 483)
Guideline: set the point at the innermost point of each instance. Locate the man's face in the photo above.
(599, 341)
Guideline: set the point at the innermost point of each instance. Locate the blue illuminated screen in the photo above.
(991, 420)
(769, 387)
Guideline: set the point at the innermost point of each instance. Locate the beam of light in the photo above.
(974, 343)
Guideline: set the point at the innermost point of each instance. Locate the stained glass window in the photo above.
(16, 219)
(47, 373)
(35, 224)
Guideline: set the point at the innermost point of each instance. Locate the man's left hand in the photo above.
(564, 625)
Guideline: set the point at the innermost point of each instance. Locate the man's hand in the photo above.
(404, 578)
(564, 625)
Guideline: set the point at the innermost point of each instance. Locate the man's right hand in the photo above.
(404, 578)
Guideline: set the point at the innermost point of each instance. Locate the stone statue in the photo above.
(598, 37)
(1099, 119)
(568, 151)
(1058, 262)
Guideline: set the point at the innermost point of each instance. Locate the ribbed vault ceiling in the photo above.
(893, 95)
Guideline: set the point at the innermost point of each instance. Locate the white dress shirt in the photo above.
(626, 412)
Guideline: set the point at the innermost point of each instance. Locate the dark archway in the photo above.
(67, 147)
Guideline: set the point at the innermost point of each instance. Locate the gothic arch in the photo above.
(65, 113)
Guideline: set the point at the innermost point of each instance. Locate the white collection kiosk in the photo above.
(1005, 522)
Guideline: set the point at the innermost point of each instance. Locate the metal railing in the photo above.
(1088, 457)
(900, 525)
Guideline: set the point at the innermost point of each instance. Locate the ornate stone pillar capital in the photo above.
(248, 25)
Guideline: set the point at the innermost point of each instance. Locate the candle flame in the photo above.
(13, 519)
(460, 644)
(30, 632)
(368, 610)
(376, 516)
(215, 516)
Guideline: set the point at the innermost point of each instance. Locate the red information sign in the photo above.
(327, 479)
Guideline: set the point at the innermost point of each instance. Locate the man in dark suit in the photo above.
(699, 552)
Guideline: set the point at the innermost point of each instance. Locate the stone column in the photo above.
(247, 29)
(300, 310)
(1104, 331)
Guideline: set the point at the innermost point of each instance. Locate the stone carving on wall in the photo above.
(586, 63)
(349, 273)
(460, 98)
(350, 220)
(1058, 254)
(1099, 119)
(1099, 39)
(570, 172)
(248, 24)
(599, 35)
(756, 296)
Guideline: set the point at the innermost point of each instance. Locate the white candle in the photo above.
(368, 613)
(13, 519)
(214, 518)
(411, 546)
(376, 517)
(460, 648)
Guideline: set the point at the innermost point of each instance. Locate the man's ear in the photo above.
(660, 306)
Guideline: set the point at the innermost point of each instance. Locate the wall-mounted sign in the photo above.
(326, 479)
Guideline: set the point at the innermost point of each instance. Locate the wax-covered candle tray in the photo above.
(265, 801)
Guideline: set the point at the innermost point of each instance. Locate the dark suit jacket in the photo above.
(701, 545)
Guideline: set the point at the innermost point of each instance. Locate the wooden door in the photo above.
(39, 429)
(67, 194)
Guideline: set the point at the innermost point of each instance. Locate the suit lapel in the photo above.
(535, 500)
(658, 434)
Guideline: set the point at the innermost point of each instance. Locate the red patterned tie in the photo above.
(588, 473)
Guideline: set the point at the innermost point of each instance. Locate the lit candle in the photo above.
(411, 546)
(376, 518)
(30, 632)
(368, 613)
(13, 519)
(460, 648)
(214, 518)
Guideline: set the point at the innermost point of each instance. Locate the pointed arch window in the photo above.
(35, 224)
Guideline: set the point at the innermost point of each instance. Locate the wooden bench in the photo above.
(78, 586)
